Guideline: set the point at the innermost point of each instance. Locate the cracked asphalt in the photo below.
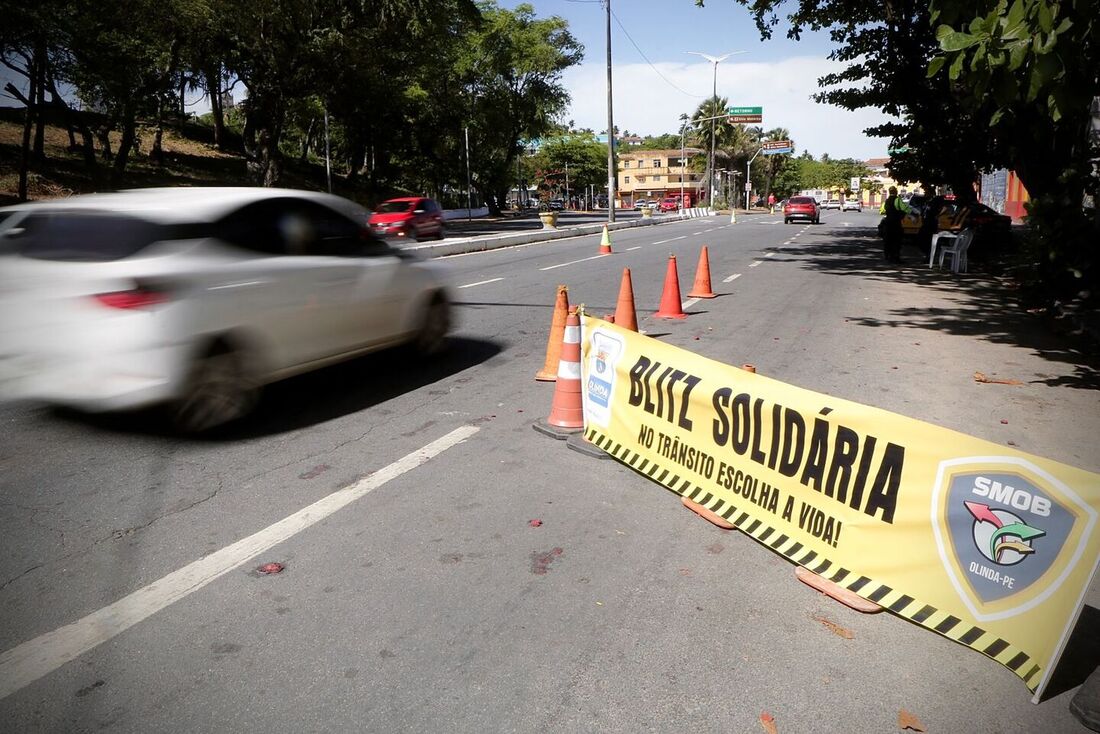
(434, 604)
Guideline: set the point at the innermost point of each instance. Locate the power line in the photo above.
(642, 54)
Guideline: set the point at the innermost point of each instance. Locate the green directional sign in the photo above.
(740, 115)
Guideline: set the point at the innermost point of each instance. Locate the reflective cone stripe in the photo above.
(549, 371)
(567, 410)
(625, 315)
(701, 289)
(671, 303)
(605, 242)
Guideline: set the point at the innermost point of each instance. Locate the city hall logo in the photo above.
(604, 350)
(1008, 532)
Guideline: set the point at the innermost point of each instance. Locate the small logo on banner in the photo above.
(599, 387)
(1008, 532)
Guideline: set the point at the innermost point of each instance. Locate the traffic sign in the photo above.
(738, 115)
(774, 147)
(748, 187)
(854, 183)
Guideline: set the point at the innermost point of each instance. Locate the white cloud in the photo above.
(646, 104)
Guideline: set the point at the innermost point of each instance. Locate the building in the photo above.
(655, 174)
(880, 175)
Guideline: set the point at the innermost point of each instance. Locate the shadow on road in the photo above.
(316, 397)
(1081, 656)
(984, 307)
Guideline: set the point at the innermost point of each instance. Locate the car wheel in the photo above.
(218, 391)
(411, 233)
(786, 221)
(431, 337)
(440, 234)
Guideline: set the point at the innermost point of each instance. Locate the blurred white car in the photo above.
(852, 205)
(195, 298)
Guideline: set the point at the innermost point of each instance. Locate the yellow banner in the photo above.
(991, 547)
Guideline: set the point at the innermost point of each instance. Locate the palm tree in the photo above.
(705, 126)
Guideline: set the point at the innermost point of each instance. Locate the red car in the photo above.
(411, 216)
(669, 204)
(801, 207)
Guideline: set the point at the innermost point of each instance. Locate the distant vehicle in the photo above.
(852, 205)
(557, 204)
(641, 204)
(412, 217)
(194, 298)
(801, 207)
(831, 204)
(670, 204)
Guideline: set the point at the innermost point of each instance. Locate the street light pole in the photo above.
(610, 128)
(469, 198)
(714, 96)
(683, 130)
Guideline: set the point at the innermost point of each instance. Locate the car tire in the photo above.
(218, 391)
(431, 336)
(786, 221)
(411, 233)
(440, 233)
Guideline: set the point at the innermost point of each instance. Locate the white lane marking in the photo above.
(480, 282)
(35, 658)
(695, 233)
(769, 254)
(661, 242)
(732, 278)
(242, 284)
(709, 230)
(754, 263)
(631, 249)
(788, 242)
(574, 262)
(688, 303)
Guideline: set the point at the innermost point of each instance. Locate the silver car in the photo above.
(196, 298)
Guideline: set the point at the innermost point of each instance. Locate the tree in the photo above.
(1029, 71)
(581, 157)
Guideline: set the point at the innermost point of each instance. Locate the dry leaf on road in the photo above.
(767, 721)
(980, 377)
(909, 721)
(835, 628)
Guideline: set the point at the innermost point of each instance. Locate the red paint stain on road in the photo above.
(540, 562)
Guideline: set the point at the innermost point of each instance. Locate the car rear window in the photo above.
(86, 236)
(394, 207)
(801, 200)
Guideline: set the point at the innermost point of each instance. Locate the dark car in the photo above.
(410, 216)
(801, 207)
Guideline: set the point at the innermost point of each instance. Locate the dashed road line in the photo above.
(732, 278)
(688, 303)
(574, 262)
(754, 263)
(480, 282)
(629, 249)
(23, 664)
(695, 233)
(661, 242)
(769, 254)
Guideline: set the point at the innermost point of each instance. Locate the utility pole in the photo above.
(714, 97)
(683, 130)
(328, 165)
(610, 127)
(469, 197)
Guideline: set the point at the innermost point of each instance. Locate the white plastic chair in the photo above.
(957, 251)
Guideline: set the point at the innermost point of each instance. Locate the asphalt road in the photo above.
(428, 602)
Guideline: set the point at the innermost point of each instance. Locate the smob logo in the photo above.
(604, 350)
(1007, 532)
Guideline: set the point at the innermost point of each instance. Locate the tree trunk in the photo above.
(263, 130)
(38, 94)
(304, 150)
(214, 91)
(28, 124)
(126, 144)
(157, 151)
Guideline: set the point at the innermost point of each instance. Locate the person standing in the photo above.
(893, 209)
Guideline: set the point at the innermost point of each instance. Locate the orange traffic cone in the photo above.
(605, 242)
(701, 289)
(549, 371)
(567, 409)
(625, 315)
(671, 305)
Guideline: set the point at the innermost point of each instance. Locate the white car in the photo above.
(831, 204)
(196, 297)
(852, 205)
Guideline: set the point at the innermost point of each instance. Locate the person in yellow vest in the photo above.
(893, 209)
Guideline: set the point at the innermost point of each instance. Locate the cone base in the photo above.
(561, 434)
(660, 315)
(606, 251)
(544, 376)
(582, 445)
(702, 295)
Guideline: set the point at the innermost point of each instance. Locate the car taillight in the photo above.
(135, 298)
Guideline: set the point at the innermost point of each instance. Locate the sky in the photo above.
(655, 80)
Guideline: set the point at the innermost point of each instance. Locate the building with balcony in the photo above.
(655, 174)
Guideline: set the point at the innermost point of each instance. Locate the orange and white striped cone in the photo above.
(549, 371)
(567, 407)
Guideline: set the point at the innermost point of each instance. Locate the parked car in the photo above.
(852, 205)
(556, 205)
(194, 298)
(670, 204)
(801, 207)
(831, 204)
(412, 217)
(641, 204)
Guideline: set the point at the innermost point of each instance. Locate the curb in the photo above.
(443, 249)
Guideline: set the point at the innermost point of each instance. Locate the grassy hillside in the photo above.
(190, 159)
